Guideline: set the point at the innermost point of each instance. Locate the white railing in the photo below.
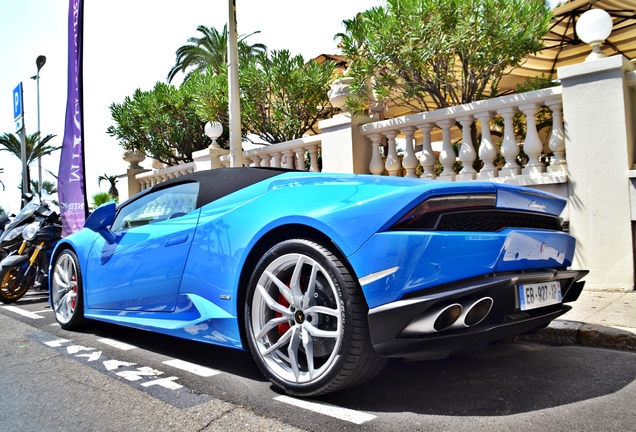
(298, 154)
(445, 122)
(156, 176)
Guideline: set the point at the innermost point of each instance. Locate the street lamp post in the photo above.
(39, 62)
(234, 105)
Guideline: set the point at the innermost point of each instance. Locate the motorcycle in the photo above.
(11, 237)
(4, 221)
(28, 266)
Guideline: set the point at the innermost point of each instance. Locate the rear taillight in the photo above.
(426, 214)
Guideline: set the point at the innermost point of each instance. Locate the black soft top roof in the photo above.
(217, 183)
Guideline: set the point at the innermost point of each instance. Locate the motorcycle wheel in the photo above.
(10, 291)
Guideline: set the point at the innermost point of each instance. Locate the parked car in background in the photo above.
(321, 277)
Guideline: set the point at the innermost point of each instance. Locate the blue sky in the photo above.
(130, 44)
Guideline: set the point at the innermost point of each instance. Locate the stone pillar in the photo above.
(215, 154)
(133, 158)
(344, 150)
(599, 139)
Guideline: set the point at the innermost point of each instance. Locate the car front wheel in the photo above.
(66, 291)
(306, 321)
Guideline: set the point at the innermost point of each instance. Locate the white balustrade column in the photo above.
(300, 159)
(447, 156)
(376, 166)
(265, 159)
(509, 147)
(557, 138)
(410, 161)
(313, 158)
(487, 150)
(467, 153)
(533, 145)
(289, 159)
(392, 163)
(427, 157)
(276, 159)
(256, 160)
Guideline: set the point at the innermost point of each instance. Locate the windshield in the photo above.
(24, 214)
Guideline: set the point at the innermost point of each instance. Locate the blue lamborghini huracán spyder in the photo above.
(322, 277)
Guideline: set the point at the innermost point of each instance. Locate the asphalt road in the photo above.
(110, 378)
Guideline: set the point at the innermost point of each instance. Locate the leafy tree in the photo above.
(426, 54)
(112, 180)
(282, 97)
(210, 52)
(35, 147)
(161, 123)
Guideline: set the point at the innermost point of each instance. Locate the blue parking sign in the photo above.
(18, 109)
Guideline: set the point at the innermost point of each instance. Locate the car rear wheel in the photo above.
(306, 321)
(66, 291)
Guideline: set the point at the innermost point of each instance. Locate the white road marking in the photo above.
(92, 356)
(115, 364)
(74, 349)
(345, 414)
(116, 344)
(34, 298)
(56, 343)
(164, 382)
(136, 375)
(192, 368)
(23, 312)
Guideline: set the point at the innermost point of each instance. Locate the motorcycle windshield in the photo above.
(24, 214)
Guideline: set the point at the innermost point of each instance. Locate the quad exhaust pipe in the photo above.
(473, 313)
(456, 315)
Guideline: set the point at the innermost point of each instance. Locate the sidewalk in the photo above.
(604, 319)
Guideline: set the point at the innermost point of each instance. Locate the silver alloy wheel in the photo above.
(297, 318)
(64, 288)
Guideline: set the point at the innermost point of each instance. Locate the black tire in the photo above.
(10, 291)
(306, 321)
(67, 296)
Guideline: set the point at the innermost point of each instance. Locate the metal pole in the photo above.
(37, 80)
(25, 167)
(39, 62)
(234, 105)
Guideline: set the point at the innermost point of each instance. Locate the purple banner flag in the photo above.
(71, 186)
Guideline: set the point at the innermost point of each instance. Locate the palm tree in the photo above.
(35, 147)
(113, 181)
(100, 198)
(210, 51)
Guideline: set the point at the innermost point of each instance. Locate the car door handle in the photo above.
(176, 240)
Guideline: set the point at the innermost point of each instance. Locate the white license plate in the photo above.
(532, 296)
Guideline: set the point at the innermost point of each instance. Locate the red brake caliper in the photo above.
(283, 327)
(74, 300)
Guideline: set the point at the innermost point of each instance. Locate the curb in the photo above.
(563, 332)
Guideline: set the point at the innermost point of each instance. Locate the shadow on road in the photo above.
(503, 379)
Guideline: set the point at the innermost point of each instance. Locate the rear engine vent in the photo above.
(495, 220)
(483, 220)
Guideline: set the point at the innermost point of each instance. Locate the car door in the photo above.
(142, 269)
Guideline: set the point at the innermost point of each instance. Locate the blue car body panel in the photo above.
(181, 276)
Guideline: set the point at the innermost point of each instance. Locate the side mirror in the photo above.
(102, 218)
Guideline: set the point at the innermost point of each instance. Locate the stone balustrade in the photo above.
(453, 126)
(300, 154)
(156, 176)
